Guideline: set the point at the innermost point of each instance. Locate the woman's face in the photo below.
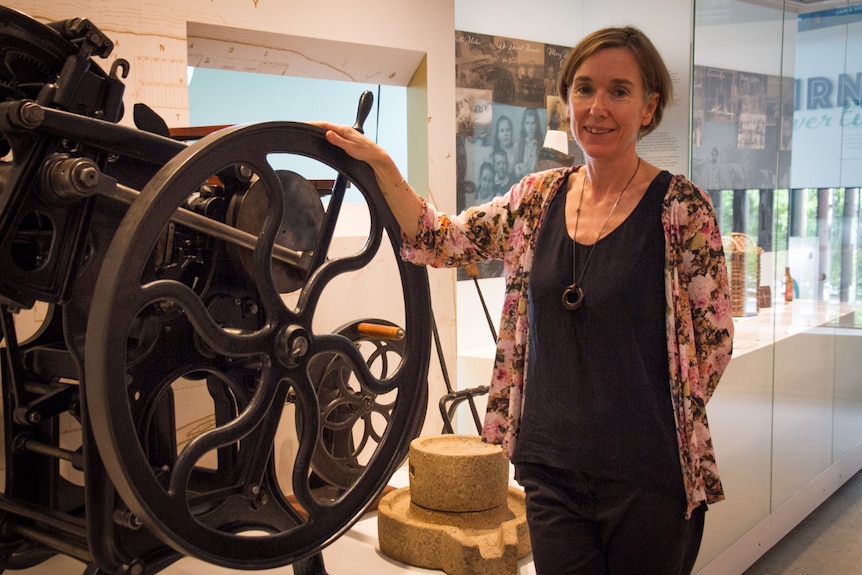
(501, 164)
(607, 103)
(529, 125)
(504, 133)
(486, 179)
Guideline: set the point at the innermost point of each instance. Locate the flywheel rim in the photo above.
(121, 297)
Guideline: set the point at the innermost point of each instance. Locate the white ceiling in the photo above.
(804, 6)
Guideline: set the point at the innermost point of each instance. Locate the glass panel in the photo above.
(829, 60)
(737, 121)
(777, 143)
(825, 173)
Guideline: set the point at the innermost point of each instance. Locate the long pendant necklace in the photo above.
(573, 296)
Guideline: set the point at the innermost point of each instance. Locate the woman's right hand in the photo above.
(405, 204)
(357, 145)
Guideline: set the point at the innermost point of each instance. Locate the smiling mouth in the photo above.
(598, 131)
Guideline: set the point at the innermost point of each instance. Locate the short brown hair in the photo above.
(656, 78)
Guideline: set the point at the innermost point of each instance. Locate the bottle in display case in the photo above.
(788, 285)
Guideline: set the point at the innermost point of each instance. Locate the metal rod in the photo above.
(34, 446)
(66, 523)
(104, 135)
(60, 545)
(214, 228)
(449, 404)
(439, 347)
(472, 271)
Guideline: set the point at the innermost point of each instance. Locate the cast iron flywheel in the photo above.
(221, 321)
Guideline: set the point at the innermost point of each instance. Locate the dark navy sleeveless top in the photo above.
(597, 392)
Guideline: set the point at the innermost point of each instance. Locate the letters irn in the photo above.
(819, 92)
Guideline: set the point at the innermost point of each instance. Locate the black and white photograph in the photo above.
(738, 128)
(505, 103)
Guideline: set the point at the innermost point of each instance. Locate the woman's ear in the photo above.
(649, 111)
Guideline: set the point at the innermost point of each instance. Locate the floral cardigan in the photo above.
(698, 312)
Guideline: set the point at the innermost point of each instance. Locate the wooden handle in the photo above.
(379, 331)
(472, 270)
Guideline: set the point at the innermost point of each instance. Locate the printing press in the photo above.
(185, 275)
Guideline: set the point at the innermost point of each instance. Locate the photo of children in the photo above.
(505, 103)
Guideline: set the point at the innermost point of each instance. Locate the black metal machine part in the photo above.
(169, 266)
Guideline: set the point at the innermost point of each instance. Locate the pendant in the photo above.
(573, 297)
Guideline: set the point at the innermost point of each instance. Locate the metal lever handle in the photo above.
(366, 100)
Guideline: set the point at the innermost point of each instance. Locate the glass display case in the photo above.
(777, 141)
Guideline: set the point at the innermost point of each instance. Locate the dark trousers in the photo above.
(586, 526)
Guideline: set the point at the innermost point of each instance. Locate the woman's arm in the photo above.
(405, 204)
(709, 294)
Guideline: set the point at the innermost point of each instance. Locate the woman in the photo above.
(485, 187)
(529, 143)
(504, 141)
(616, 323)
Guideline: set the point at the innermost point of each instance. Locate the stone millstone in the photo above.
(457, 473)
(469, 522)
(472, 543)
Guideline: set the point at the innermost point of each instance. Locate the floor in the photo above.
(827, 542)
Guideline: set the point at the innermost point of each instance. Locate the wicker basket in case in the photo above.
(744, 262)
